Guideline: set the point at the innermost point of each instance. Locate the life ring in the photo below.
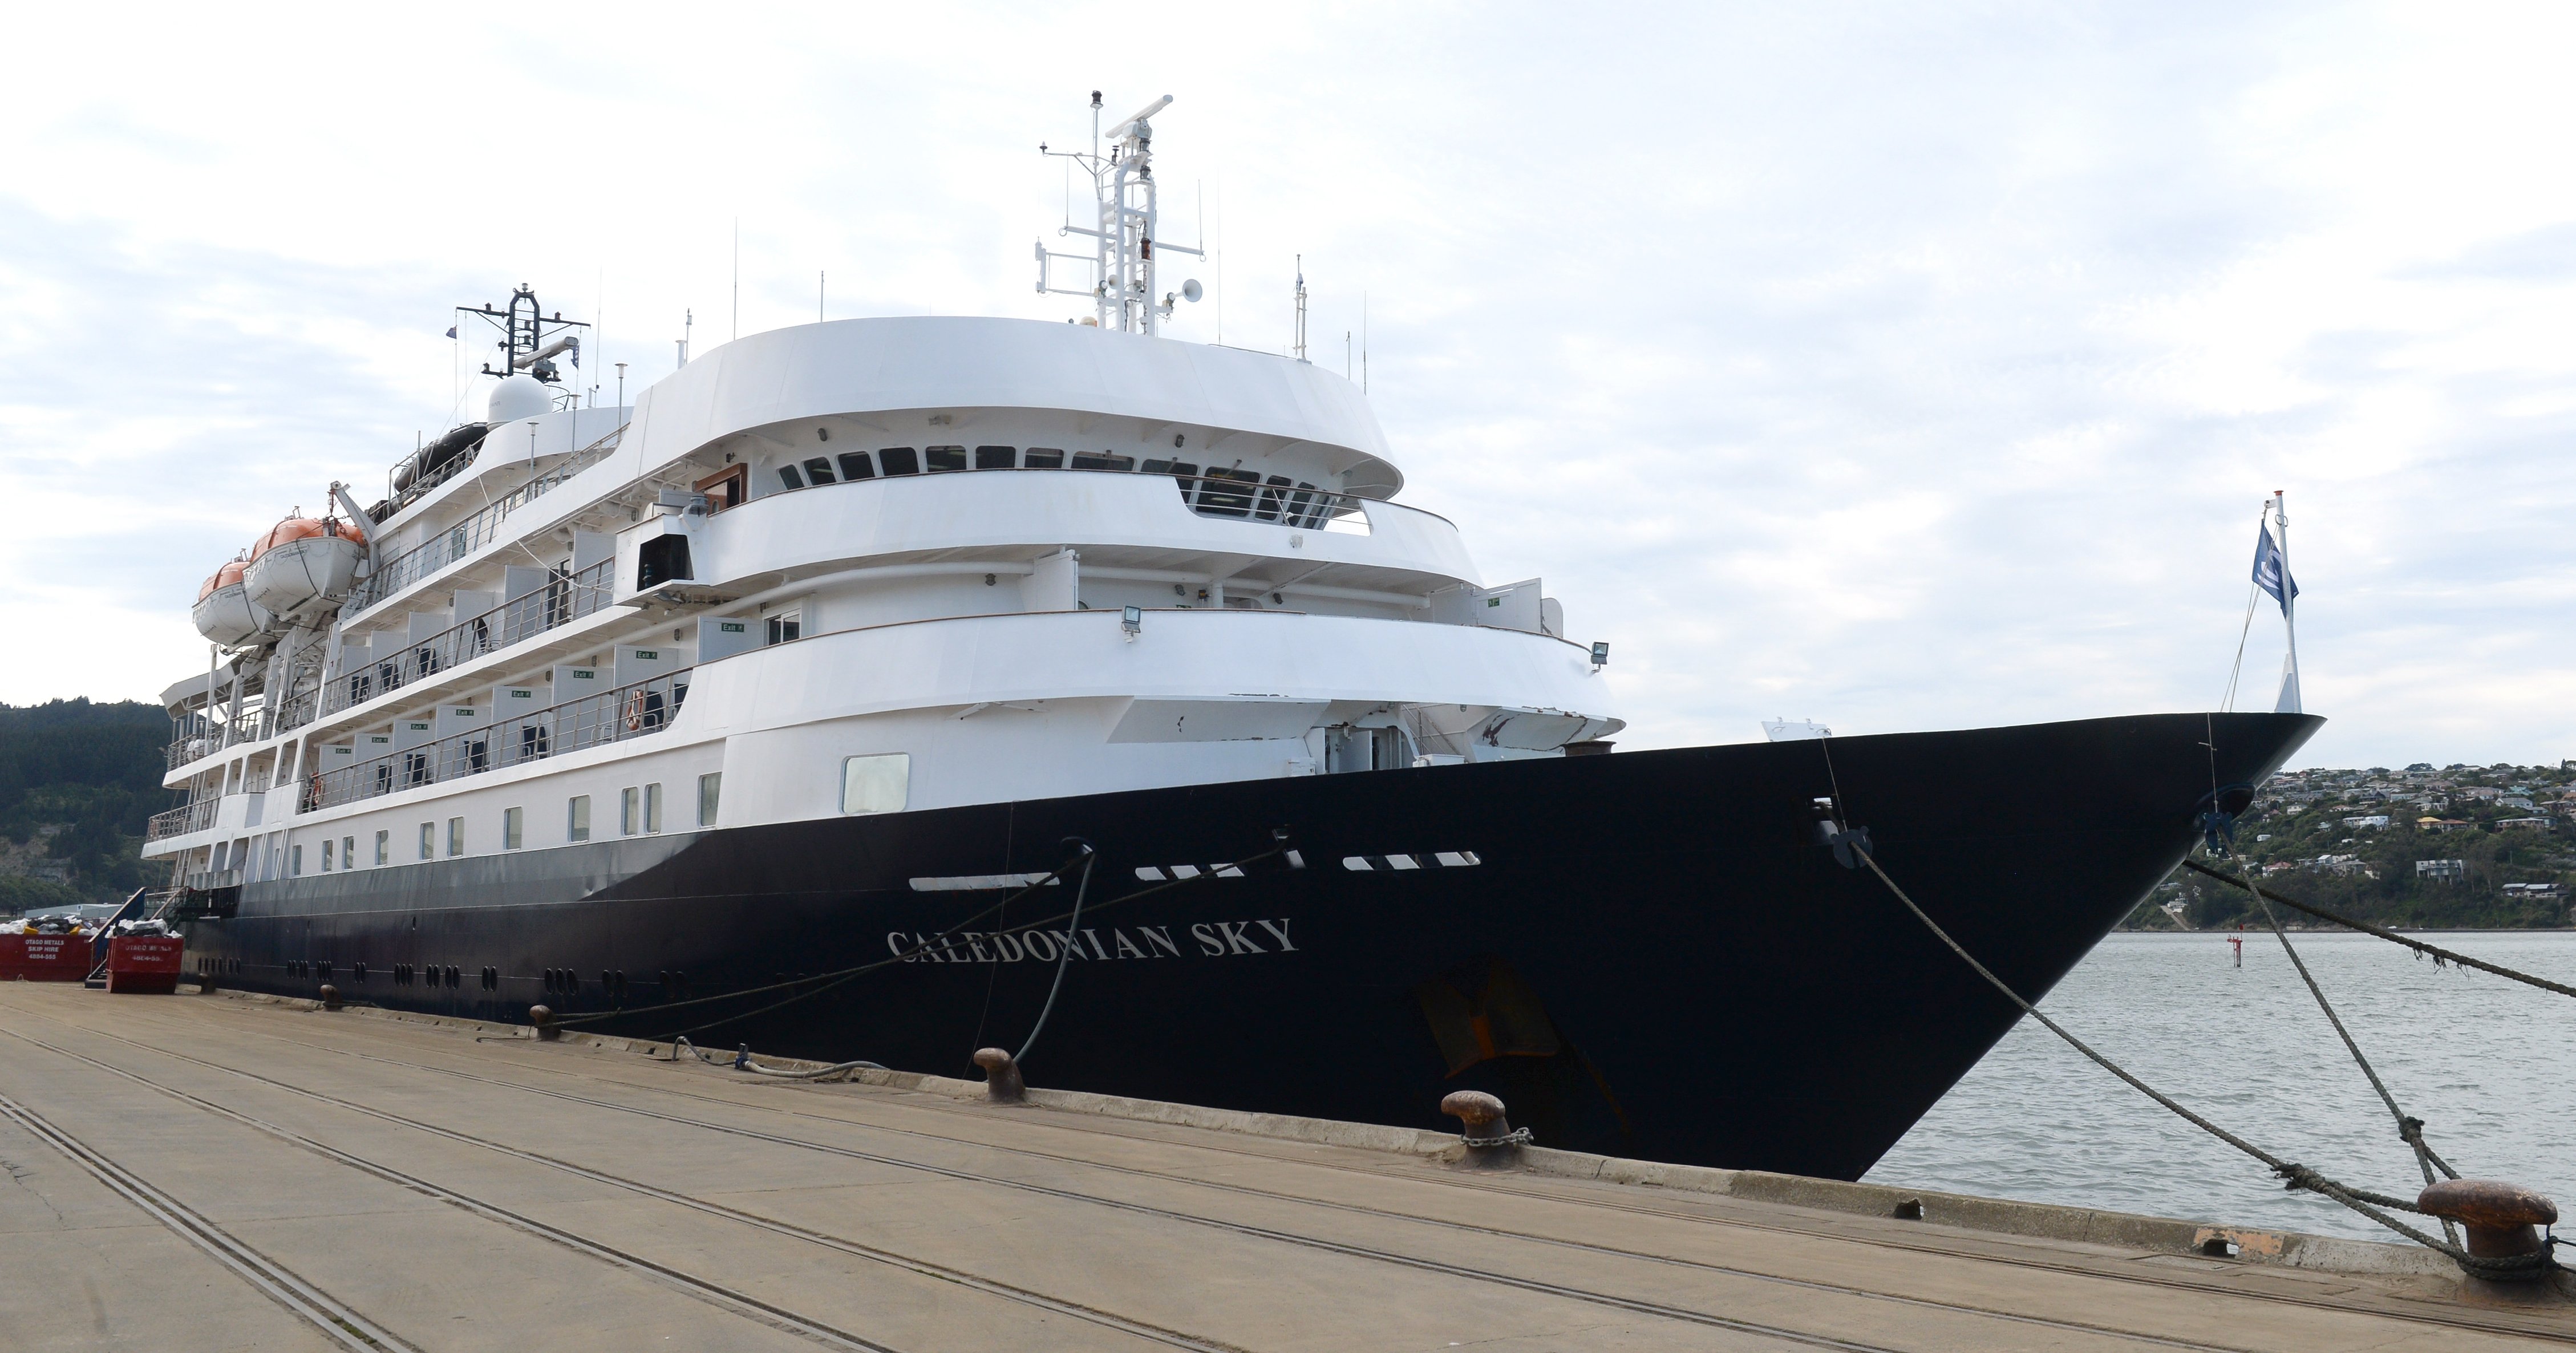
(635, 712)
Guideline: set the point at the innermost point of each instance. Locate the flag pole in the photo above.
(2289, 702)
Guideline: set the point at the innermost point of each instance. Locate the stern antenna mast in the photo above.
(1122, 229)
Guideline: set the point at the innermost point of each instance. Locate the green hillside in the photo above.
(77, 783)
(2461, 846)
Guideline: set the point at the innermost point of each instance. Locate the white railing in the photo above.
(474, 532)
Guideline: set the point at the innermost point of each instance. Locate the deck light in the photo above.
(1132, 620)
(1600, 656)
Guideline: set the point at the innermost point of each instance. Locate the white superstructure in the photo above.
(867, 566)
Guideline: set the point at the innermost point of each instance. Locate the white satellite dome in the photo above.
(517, 397)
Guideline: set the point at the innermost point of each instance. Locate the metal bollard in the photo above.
(544, 1020)
(1483, 1115)
(330, 997)
(1002, 1083)
(2502, 1219)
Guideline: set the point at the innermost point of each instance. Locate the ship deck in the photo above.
(212, 1171)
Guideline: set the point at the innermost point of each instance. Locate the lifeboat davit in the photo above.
(302, 563)
(225, 614)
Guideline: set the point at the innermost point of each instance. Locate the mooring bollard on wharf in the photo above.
(237, 1172)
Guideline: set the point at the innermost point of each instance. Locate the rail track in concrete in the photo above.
(952, 1144)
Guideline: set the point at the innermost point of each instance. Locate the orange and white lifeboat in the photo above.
(302, 562)
(225, 613)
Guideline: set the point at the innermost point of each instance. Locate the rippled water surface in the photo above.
(2488, 1064)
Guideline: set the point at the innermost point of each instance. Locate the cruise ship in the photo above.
(891, 688)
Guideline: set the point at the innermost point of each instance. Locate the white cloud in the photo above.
(1901, 369)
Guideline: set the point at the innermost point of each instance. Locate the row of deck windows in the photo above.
(902, 460)
(639, 812)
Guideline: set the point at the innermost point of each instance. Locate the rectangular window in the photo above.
(786, 626)
(876, 784)
(348, 852)
(652, 808)
(818, 470)
(326, 855)
(456, 836)
(1043, 458)
(629, 800)
(510, 820)
(854, 465)
(944, 457)
(709, 787)
(1102, 460)
(996, 457)
(294, 860)
(384, 847)
(428, 840)
(899, 460)
(787, 475)
(577, 818)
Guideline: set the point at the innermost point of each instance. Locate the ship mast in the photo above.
(2289, 702)
(1124, 220)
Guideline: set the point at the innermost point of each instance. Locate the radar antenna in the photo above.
(531, 340)
(1122, 227)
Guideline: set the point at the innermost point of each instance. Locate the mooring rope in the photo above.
(2410, 1129)
(2365, 927)
(1063, 958)
(2297, 1176)
(742, 1062)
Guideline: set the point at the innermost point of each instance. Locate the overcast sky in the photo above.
(1888, 366)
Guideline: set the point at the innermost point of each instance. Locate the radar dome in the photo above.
(517, 397)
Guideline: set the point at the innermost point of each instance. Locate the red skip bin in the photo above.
(146, 964)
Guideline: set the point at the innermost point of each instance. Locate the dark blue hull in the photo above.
(1649, 954)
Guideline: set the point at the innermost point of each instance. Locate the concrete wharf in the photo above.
(224, 1172)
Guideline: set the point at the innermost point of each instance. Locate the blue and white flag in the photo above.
(2270, 573)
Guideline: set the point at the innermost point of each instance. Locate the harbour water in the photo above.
(2488, 1064)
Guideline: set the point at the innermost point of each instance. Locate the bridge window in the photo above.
(1043, 458)
(818, 470)
(1227, 501)
(854, 465)
(787, 475)
(899, 460)
(945, 458)
(996, 457)
(1102, 460)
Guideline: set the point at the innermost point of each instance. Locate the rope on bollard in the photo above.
(742, 1062)
(2410, 1129)
(2372, 1205)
